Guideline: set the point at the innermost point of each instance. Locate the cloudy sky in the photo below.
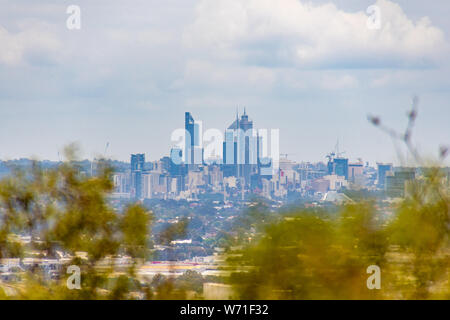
(313, 69)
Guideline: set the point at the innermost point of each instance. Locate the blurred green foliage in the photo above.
(64, 210)
(174, 231)
(314, 254)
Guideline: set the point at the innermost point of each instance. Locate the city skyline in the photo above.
(125, 79)
(198, 155)
(246, 169)
(227, 152)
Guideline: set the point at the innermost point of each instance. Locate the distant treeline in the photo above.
(84, 165)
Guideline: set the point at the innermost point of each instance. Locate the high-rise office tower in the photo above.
(338, 166)
(137, 161)
(241, 149)
(341, 167)
(176, 167)
(193, 148)
(383, 170)
(137, 167)
(355, 172)
(396, 184)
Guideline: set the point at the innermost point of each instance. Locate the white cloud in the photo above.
(141, 66)
(295, 33)
(339, 82)
(217, 76)
(33, 43)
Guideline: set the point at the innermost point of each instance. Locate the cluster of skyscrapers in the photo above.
(186, 172)
(243, 169)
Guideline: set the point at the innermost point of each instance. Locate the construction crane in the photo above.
(336, 153)
(331, 156)
(106, 148)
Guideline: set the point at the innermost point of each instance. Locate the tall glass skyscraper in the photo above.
(193, 150)
(137, 161)
(338, 166)
(137, 167)
(341, 167)
(240, 149)
(383, 169)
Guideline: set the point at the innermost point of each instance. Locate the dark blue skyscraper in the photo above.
(341, 167)
(189, 124)
(383, 169)
(137, 161)
(338, 166)
(137, 167)
(193, 151)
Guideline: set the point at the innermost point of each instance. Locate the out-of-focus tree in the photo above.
(190, 280)
(311, 255)
(421, 229)
(64, 210)
(174, 231)
(318, 255)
